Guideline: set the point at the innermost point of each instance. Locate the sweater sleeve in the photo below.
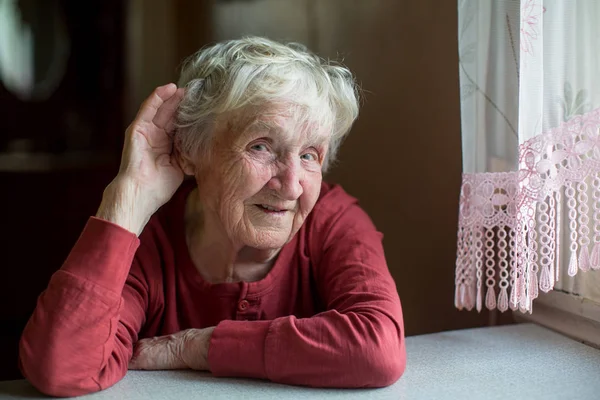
(79, 338)
(357, 342)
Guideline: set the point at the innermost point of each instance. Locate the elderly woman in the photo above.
(252, 267)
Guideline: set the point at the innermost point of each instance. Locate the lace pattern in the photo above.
(509, 228)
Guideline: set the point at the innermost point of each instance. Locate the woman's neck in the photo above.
(216, 256)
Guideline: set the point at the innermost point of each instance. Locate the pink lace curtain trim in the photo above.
(509, 228)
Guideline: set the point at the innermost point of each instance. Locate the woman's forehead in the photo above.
(280, 122)
(288, 127)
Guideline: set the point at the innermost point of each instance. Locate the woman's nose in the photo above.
(286, 181)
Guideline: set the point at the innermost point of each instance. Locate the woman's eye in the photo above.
(309, 157)
(259, 147)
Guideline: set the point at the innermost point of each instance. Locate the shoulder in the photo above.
(333, 199)
(337, 214)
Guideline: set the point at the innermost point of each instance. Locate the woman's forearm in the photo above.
(363, 349)
(75, 341)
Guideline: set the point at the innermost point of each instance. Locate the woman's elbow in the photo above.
(384, 367)
(389, 372)
(52, 380)
(53, 384)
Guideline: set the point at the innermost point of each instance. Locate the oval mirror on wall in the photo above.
(34, 47)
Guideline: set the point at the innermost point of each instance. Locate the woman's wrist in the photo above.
(194, 346)
(123, 204)
(181, 350)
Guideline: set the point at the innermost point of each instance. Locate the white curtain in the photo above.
(529, 216)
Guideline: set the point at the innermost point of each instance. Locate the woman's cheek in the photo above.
(312, 189)
(232, 174)
(256, 171)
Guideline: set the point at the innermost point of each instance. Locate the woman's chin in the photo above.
(268, 244)
(267, 240)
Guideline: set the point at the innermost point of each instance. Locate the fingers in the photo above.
(152, 104)
(164, 116)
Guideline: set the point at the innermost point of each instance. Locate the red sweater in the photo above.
(327, 314)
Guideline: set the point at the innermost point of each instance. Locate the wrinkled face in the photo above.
(264, 177)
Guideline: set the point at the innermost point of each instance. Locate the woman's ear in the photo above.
(186, 165)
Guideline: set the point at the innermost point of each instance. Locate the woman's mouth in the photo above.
(269, 209)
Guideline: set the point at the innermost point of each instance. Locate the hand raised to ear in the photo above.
(149, 173)
(147, 154)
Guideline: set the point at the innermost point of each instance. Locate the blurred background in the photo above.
(73, 73)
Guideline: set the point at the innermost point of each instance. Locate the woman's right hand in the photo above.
(149, 173)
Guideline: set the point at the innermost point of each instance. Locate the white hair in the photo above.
(253, 71)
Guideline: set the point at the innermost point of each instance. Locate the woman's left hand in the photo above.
(183, 350)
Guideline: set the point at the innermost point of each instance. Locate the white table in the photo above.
(510, 362)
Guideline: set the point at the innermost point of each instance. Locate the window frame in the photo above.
(574, 316)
